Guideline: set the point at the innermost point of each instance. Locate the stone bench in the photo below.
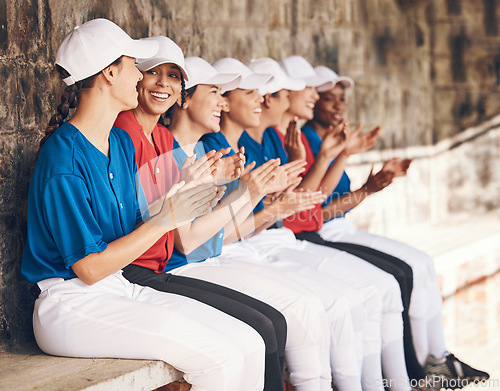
(28, 368)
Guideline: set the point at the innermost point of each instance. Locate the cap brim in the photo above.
(154, 62)
(276, 85)
(346, 81)
(317, 81)
(295, 84)
(254, 81)
(142, 49)
(226, 81)
(222, 78)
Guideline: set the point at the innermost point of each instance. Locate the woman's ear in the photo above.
(110, 73)
(267, 100)
(225, 108)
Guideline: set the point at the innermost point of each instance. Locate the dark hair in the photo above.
(69, 100)
(190, 92)
(183, 91)
(166, 117)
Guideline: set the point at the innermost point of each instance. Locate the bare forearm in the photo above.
(312, 180)
(343, 204)
(334, 173)
(119, 253)
(191, 236)
(252, 225)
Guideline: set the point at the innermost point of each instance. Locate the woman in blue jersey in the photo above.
(161, 86)
(425, 304)
(243, 110)
(84, 225)
(322, 174)
(303, 315)
(238, 114)
(381, 301)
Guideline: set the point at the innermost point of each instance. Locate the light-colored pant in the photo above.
(322, 269)
(116, 319)
(307, 346)
(426, 300)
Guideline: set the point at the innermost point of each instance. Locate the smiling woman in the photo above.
(162, 86)
(85, 179)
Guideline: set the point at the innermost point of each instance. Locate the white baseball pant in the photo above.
(114, 318)
(425, 309)
(307, 347)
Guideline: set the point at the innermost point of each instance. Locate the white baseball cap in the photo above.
(94, 45)
(249, 80)
(280, 80)
(169, 52)
(201, 72)
(299, 67)
(323, 71)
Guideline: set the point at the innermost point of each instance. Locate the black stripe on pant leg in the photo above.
(247, 309)
(394, 266)
(404, 275)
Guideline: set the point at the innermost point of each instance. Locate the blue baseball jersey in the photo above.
(344, 185)
(79, 201)
(271, 148)
(213, 246)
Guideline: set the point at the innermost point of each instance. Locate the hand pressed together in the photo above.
(229, 168)
(259, 181)
(187, 201)
(294, 146)
(335, 141)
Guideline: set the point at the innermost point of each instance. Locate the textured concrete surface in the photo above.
(29, 369)
(465, 250)
(457, 177)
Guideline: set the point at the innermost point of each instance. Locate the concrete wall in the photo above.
(454, 180)
(425, 70)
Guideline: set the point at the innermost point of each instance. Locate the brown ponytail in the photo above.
(69, 100)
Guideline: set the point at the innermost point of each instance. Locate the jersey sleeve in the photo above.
(69, 217)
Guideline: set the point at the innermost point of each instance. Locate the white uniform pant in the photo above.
(307, 346)
(342, 303)
(380, 290)
(116, 319)
(426, 300)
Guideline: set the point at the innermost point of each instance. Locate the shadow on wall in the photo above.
(16, 295)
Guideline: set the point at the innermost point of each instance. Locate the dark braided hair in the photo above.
(183, 91)
(166, 117)
(69, 100)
